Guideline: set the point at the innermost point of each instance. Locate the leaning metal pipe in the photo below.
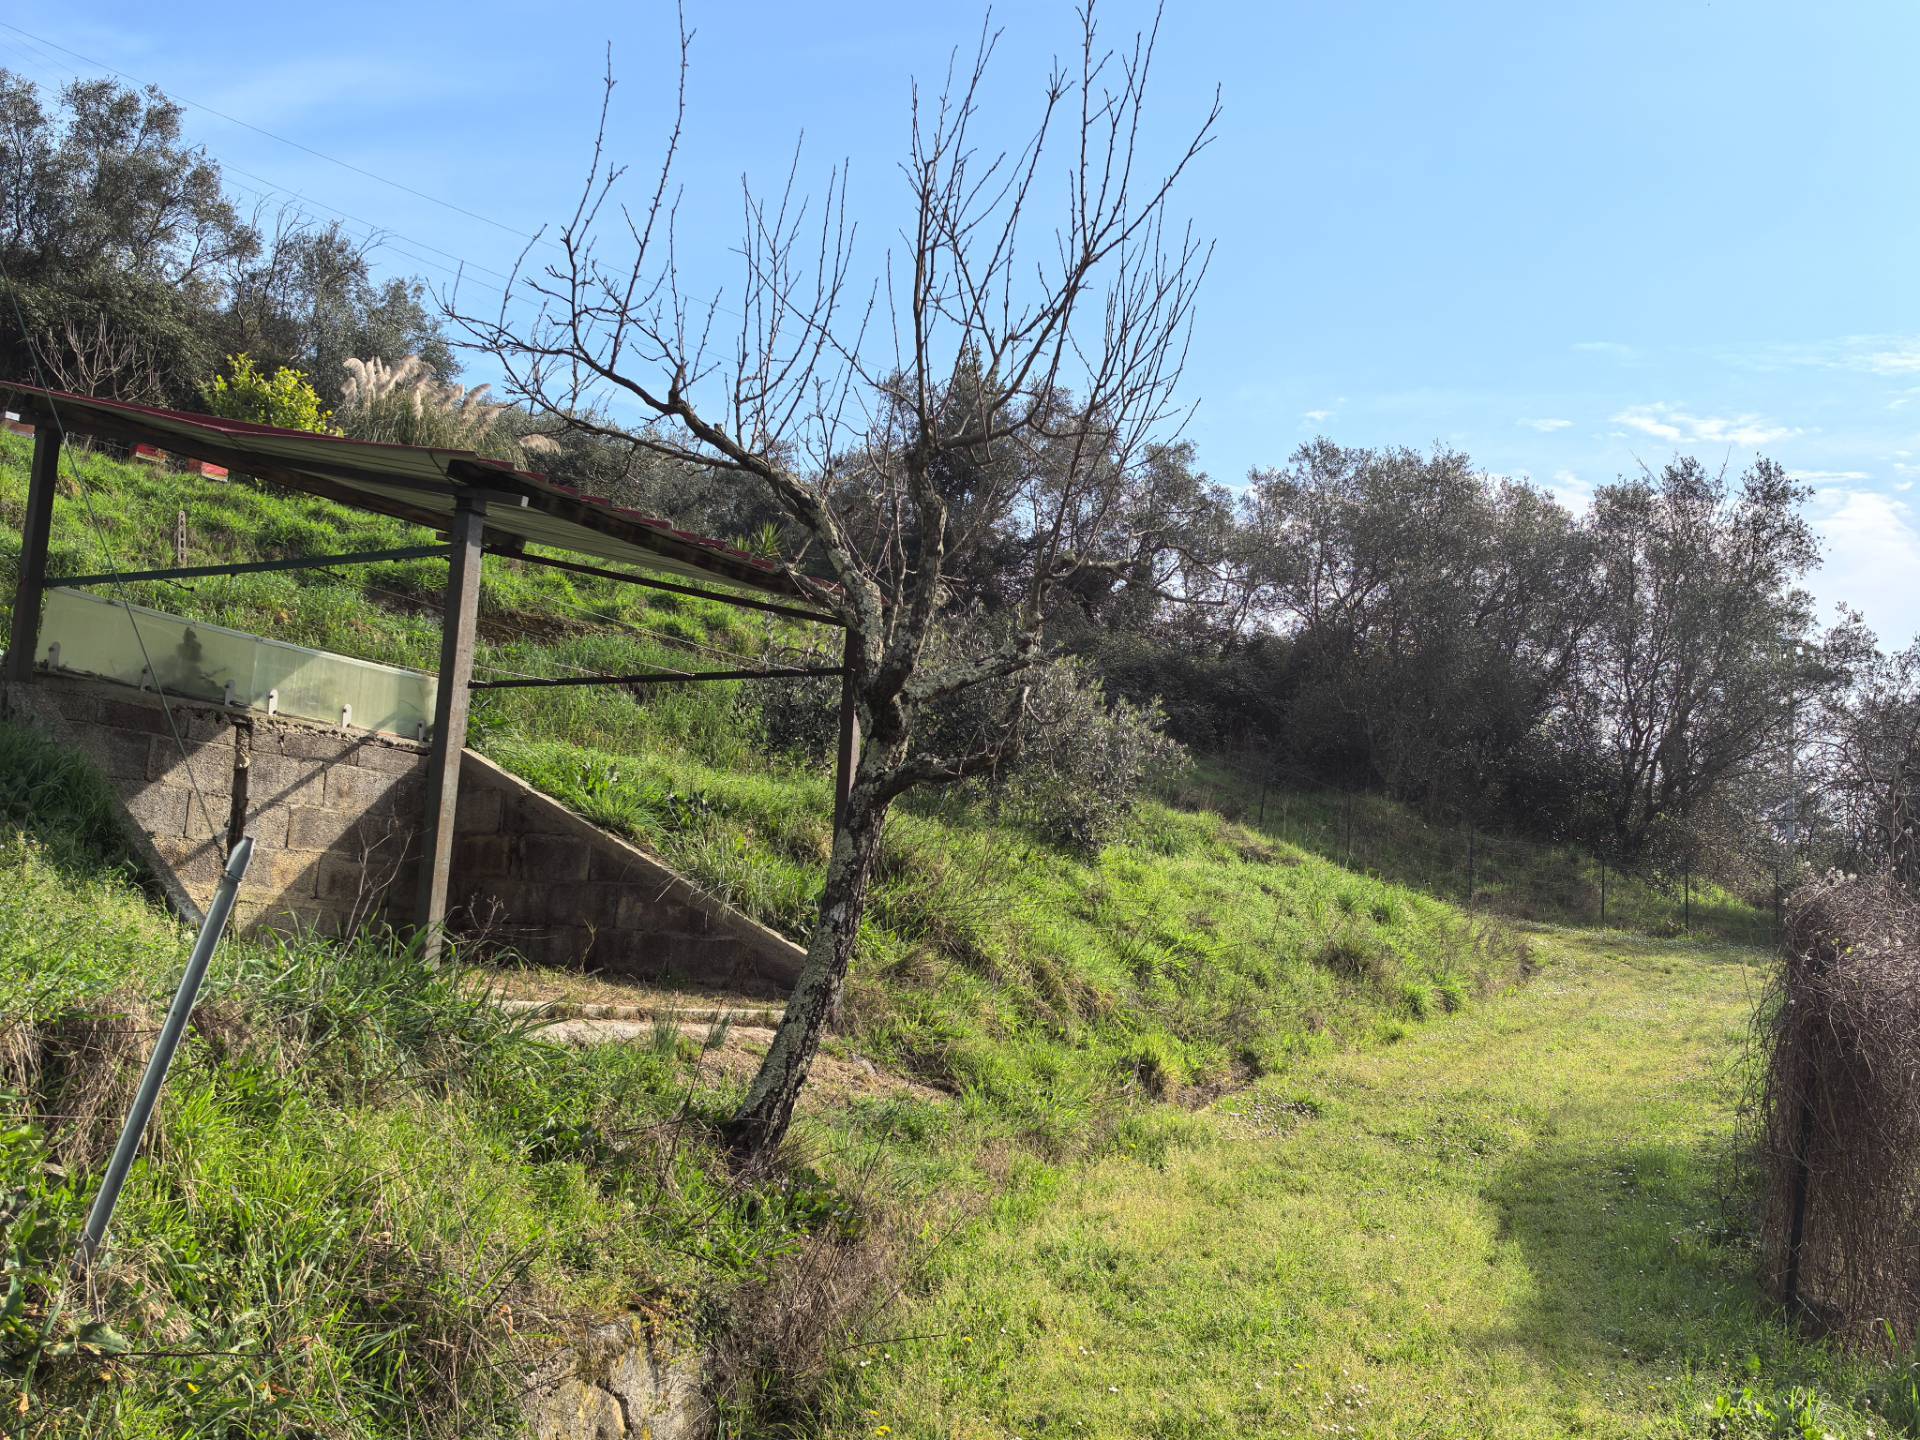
(176, 1023)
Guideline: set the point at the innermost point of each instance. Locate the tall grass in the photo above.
(364, 1177)
(367, 1195)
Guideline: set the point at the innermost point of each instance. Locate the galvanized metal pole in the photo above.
(176, 1023)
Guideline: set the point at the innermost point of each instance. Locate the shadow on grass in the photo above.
(1637, 1251)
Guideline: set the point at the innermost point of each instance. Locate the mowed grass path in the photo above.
(1509, 1223)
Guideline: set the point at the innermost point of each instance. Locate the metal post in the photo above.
(176, 1023)
(23, 640)
(846, 757)
(450, 716)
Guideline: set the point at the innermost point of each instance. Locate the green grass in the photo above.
(1520, 1222)
(1054, 991)
(1513, 876)
(362, 1182)
(1465, 1212)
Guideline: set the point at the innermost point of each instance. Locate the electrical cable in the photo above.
(295, 144)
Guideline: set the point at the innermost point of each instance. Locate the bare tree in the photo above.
(1039, 356)
(95, 359)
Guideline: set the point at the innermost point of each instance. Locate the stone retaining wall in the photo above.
(336, 817)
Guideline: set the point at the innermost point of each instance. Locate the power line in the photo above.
(464, 263)
(375, 230)
(282, 139)
(51, 70)
(274, 188)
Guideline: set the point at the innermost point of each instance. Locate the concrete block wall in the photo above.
(562, 891)
(336, 817)
(334, 814)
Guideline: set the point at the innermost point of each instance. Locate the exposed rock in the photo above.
(614, 1383)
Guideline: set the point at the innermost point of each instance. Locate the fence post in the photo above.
(36, 526)
(1603, 889)
(1470, 860)
(1686, 898)
(101, 1215)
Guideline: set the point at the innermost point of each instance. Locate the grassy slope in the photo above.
(361, 1185)
(1059, 998)
(1053, 991)
(1509, 1224)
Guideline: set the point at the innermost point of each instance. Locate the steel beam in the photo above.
(599, 572)
(255, 567)
(458, 626)
(657, 677)
(23, 638)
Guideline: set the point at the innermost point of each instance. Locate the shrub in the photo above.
(287, 399)
(1084, 759)
(1839, 1122)
(407, 404)
(1083, 762)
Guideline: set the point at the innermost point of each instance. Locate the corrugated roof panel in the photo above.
(420, 484)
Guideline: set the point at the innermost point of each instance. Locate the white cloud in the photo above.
(1316, 416)
(1872, 553)
(1544, 426)
(1570, 490)
(1670, 423)
(1887, 355)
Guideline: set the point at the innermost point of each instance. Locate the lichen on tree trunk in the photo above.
(765, 1114)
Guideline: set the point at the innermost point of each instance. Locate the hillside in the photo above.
(368, 1179)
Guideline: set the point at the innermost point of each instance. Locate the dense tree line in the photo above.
(136, 274)
(1646, 676)
(1386, 618)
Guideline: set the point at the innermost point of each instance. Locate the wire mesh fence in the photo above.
(1480, 869)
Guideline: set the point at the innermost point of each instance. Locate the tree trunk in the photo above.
(762, 1120)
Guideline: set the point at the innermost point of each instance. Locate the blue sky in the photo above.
(1567, 239)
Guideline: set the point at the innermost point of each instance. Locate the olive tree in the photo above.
(1035, 308)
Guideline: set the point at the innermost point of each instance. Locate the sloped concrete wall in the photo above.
(336, 817)
(562, 891)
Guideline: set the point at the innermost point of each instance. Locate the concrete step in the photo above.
(750, 1012)
(601, 1030)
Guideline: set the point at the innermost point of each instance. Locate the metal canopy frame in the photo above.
(483, 506)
